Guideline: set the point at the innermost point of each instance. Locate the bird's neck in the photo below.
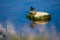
(33, 12)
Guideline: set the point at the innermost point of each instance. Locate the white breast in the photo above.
(38, 14)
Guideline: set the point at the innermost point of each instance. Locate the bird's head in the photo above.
(32, 10)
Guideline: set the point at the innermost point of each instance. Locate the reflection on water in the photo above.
(38, 22)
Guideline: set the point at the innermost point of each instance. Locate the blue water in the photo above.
(15, 11)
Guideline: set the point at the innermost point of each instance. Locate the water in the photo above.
(17, 27)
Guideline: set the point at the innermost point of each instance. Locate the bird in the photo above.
(38, 17)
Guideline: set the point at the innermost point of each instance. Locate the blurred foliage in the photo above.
(14, 37)
(2, 35)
